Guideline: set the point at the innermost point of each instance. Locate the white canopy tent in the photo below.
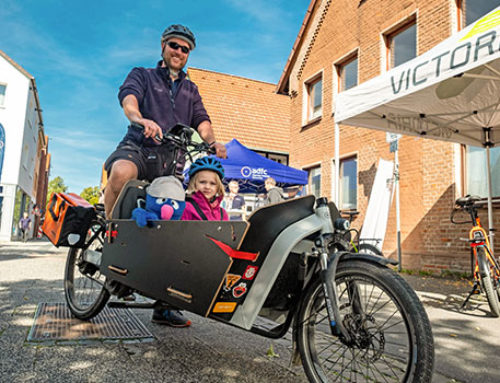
(450, 93)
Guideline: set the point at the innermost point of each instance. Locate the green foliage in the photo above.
(455, 274)
(91, 194)
(408, 271)
(270, 352)
(425, 273)
(56, 185)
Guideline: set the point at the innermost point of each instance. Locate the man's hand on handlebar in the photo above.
(151, 129)
(220, 150)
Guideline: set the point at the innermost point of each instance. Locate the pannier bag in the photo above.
(67, 219)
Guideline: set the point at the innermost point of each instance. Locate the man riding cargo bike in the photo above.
(351, 317)
(158, 98)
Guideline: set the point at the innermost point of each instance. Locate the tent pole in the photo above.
(337, 166)
(491, 230)
(398, 218)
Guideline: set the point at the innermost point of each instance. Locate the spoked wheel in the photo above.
(488, 281)
(391, 334)
(84, 287)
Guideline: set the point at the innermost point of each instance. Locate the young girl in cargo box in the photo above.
(205, 191)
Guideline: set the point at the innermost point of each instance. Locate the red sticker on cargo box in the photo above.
(240, 290)
(250, 272)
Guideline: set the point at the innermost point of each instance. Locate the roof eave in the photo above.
(293, 54)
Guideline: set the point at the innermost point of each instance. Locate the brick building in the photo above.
(344, 43)
(244, 109)
(26, 161)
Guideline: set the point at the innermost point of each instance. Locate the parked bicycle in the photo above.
(357, 244)
(352, 318)
(484, 267)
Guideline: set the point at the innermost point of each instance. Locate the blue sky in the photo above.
(80, 53)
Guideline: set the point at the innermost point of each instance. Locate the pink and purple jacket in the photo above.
(211, 210)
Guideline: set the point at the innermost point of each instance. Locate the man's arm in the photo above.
(131, 108)
(207, 134)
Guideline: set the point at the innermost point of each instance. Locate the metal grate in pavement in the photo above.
(54, 322)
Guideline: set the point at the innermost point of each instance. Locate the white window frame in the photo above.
(2, 104)
(460, 151)
(309, 167)
(306, 113)
(341, 199)
(387, 35)
(336, 78)
(460, 15)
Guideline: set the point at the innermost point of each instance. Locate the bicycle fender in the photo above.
(340, 256)
(369, 258)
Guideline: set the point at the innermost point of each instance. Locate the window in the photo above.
(475, 162)
(281, 158)
(314, 99)
(314, 181)
(3, 88)
(401, 44)
(348, 73)
(348, 183)
(472, 10)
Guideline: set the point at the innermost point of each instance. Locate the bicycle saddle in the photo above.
(468, 200)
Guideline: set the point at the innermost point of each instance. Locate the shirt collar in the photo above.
(165, 71)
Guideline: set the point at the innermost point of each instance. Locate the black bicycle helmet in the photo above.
(206, 163)
(181, 32)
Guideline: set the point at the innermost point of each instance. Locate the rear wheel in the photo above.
(84, 287)
(391, 334)
(487, 278)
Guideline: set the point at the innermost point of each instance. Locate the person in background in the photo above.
(234, 203)
(25, 226)
(274, 194)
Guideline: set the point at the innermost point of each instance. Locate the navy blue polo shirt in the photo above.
(162, 101)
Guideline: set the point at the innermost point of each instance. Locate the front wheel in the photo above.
(487, 282)
(391, 334)
(369, 249)
(84, 287)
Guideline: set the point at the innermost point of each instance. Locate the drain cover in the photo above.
(54, 322)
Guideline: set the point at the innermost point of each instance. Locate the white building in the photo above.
(22, 124)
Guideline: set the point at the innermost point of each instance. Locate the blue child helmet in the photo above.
(206, 163)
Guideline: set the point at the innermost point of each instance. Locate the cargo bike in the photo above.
(351, 316)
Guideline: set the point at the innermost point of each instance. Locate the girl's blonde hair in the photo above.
(192, 182)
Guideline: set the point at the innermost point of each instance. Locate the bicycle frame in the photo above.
(479, 238)
(484, 266)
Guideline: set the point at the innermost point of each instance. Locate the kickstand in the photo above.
(475, 290)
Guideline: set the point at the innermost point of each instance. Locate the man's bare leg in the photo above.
(122, 171)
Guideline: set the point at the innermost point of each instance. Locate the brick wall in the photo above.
(427, 168)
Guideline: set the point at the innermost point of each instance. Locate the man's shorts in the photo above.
(151, 161)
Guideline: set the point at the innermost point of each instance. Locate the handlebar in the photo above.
(180, 136)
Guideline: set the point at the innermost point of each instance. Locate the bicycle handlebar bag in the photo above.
(67, 219)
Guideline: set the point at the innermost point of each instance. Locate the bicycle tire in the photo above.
(84, 296)
(487, 283)
(378, 344)
(369, 249)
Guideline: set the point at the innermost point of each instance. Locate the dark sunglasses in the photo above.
(176, 46)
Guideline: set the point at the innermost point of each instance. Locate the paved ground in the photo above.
(466, 342)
